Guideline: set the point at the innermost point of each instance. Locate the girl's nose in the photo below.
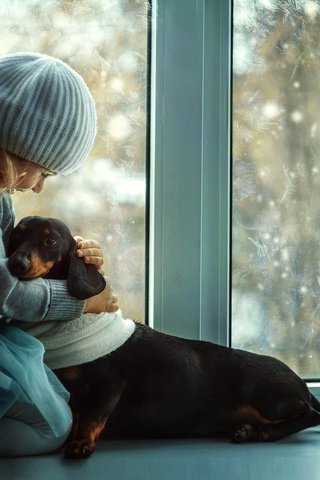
(39, 185)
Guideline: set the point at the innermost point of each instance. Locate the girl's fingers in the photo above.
(89, 252)
(88, 244)
(78, 238)
(97, 261)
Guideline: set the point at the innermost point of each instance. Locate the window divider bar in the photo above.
(190, 162)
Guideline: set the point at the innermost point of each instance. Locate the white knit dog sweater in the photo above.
(83, 339)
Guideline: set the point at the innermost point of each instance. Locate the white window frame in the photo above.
(190, 207)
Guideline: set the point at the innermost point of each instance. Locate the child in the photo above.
(47, 126)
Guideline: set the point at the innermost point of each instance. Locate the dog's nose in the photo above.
(19, 263)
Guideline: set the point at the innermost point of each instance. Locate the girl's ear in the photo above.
(84, 280)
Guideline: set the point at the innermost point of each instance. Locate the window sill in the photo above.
(295, 457)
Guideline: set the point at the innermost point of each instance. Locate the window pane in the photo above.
(276, 181)
(106, 42)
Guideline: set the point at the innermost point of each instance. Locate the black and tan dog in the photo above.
(157, 385)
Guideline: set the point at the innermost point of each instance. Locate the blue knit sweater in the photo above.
(35, 300)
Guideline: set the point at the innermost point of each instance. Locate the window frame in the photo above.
(190, 241)
(190, 151)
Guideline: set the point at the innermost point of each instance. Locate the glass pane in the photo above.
(276, 181)
(106, 42)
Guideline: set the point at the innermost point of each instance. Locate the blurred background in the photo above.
(276, 181)
(106, 42)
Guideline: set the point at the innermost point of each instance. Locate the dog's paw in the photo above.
(266, 434)
(243, 433)
(79, 448)
(253, 433)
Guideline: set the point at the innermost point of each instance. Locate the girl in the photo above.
(47, 126)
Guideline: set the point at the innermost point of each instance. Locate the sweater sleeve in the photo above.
(33, 300)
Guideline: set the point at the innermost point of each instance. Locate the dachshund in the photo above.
(156, 385)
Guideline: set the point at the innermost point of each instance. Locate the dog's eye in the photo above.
(50, 242)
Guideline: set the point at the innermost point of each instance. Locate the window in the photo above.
(276, 180)
(190, 160)
(191, 126)
(106, 41)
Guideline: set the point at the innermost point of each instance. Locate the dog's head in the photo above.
(44, 247)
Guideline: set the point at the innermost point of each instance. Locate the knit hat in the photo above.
(47, 114)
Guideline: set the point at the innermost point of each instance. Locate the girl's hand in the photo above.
(90, 251)
(103, 302)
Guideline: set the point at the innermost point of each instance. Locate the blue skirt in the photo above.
(24, 377)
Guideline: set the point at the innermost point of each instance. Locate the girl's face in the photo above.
(30, 177)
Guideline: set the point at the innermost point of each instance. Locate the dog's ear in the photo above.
(84, 280)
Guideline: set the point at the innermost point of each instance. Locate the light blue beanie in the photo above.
(47, 114)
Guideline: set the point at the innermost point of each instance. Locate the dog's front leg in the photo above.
(92, 417)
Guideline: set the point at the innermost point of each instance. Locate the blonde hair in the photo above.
(8, 171)
(9, 174)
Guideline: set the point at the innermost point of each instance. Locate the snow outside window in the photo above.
(276, 181)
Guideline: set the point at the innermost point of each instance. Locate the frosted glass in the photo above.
(276, 181)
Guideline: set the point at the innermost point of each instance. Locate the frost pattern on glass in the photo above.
(276, 181)
(106, 42)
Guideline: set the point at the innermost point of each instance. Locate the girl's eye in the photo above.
(50, 242)
(47, 174)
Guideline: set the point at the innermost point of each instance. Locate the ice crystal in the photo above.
(243, 180)
(268, 247)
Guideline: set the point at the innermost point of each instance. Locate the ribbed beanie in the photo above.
(47, 114)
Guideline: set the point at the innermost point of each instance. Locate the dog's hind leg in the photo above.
(273, 431)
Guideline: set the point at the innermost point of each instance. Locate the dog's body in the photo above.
(157, 385)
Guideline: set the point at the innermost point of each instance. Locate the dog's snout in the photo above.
(19, 263)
